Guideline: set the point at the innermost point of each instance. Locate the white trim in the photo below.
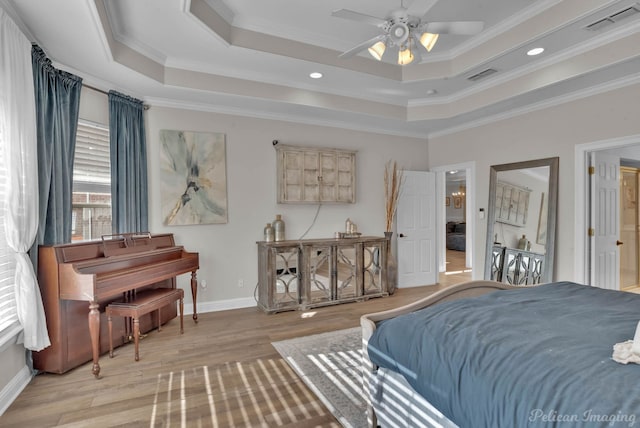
(15, 386)
(581, 204)
(9, 336)
(503, 26)
(441, 220)
(470, 179)
(221, 305)
(222, 108)
(550, 60)
(529, 69)
(284, 117)
(97, 22)
(549, 102)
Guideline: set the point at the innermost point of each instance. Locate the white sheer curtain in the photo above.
(18, 122)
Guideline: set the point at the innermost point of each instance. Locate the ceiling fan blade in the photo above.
(357, 16)
(466, 28)
(364, 45)
(419, 8)
(419, 53)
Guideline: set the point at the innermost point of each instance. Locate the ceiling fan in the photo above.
(405, 28)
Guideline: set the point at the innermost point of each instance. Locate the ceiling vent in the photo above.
(481, 75)
(614, 18)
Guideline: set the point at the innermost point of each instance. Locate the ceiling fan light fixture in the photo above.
(428, 40)
(377, 50)
(399, 33)
(405, 56)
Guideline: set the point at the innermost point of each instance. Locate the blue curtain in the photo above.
(57, 96)
(128, 164)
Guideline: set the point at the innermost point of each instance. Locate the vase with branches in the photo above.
(392, 182)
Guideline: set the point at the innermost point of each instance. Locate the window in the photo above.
(8, 314)
(91, 183)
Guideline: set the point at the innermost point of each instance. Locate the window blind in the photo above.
(91, 168)
(8, 314)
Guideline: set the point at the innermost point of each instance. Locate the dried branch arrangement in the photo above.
(392, 181)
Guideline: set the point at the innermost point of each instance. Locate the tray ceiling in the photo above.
(254, 58)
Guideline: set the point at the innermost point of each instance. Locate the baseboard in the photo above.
(221, 305)
(11, 391)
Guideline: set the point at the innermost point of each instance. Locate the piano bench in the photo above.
(145, 302)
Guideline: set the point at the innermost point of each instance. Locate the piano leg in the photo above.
(194, 294)
(94, 331)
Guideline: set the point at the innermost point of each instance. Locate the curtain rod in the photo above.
(145, 106)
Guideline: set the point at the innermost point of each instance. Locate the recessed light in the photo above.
(535, 51)
(431, 92)
(315, 75)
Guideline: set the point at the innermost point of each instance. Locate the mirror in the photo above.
(521, 222)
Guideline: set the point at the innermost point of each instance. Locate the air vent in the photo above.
(614, 18)
(485, 73)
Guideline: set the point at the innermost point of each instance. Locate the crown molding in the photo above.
(551, 102)
(270, 115)
(630, 30)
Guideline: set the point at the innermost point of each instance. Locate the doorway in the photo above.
(455, 196)
(625, 270)
(456, 222)
(629, 228)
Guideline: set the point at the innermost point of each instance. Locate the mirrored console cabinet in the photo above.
(319, 272)
(516, 267)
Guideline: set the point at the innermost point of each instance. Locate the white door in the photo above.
(605, 221)
(416, 230)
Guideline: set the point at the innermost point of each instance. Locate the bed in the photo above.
(532, 356)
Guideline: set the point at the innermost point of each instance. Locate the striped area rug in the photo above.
(330, 365)
(260, 393)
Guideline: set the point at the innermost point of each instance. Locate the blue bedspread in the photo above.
(527, 357)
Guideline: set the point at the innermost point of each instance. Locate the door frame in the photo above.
(581, 265)
(441, 213)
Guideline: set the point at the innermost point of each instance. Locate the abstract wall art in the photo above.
(193, 178)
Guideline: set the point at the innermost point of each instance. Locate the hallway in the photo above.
(456, 271)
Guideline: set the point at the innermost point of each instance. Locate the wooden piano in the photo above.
(101, 272)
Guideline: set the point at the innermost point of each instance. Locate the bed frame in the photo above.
(368, 324)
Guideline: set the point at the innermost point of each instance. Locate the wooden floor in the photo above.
(456, 270)
(222, 372)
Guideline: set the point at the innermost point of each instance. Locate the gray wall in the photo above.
(553, 131)
(228, 252)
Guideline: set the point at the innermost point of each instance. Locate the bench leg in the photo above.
(136, 336)
(181, 316)
(159, 319)
(110, 336)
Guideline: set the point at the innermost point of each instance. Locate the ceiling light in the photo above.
(377, 50)
(405, 56)
(535, 51)
(315, 75)
(428, 40)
